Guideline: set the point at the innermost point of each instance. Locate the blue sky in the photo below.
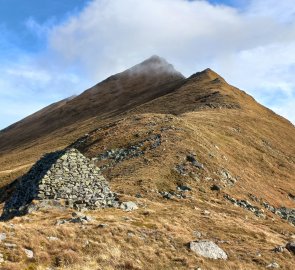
(50, 50)
(15, 15)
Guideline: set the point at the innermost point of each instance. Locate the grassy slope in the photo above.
(252, 143)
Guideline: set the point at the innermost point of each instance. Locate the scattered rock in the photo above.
(215, 188)
(52, 238)
(118, 155)
(273, 265)
(29, 253)
(10, 245)
(278, 249)
(227, 178)
(208, 249)
(291, 247)
(191, 159)
(60, 222)
(102, 225)
(166, 195)
(77, 218)
(246, 205)
(1, 258)
(2, 236)
(181, 169)
(128, 206)
(197, 234)
(184, 188)
(180, 193)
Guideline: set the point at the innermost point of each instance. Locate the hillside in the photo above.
(201, 159)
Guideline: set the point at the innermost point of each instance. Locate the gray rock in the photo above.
(278, 249)
(216, 188)
(102, 225)
(2, 236)
(273, 265)
(128, 206)
(166, 195)
(208, 249)
(291, 247)
(197, 234)
(10, 245)
(52, 238)
(184, 188)
(29, 253)
(192, 159)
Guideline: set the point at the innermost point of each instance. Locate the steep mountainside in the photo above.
(139, 84)
(201, 158)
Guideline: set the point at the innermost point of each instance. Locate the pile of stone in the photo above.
(66, 176)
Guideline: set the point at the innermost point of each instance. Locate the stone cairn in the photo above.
(66, 176)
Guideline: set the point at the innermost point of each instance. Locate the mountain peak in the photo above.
(155, 64)
(208, 74)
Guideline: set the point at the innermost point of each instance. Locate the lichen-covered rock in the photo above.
(128, 206)
(29, 253)
(65, 176)
(208, 249)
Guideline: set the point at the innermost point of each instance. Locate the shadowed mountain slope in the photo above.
(144, 82)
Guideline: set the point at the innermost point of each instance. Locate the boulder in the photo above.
(128, 206)
(208, 249)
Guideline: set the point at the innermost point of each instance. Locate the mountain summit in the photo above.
(155, 65)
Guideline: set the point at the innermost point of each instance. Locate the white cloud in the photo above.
(252, 47)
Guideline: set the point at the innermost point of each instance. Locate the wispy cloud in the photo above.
(253, 47)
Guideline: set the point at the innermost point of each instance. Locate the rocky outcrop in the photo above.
(65, 176)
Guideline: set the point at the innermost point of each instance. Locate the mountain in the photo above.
(137, 85)
(201, 159)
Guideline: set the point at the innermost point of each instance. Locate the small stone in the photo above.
(208, 249)
(197, 234)
(166, 195)
(279, 249)
(29, 253)
(10, 245)
(215, 188)
(1, 258)
(273, 265)
(291, 247)
(60, 222)
(184, 188)
(52, 238)
(128, 206)
(88, 218)
(102, 225)
(2, 236)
